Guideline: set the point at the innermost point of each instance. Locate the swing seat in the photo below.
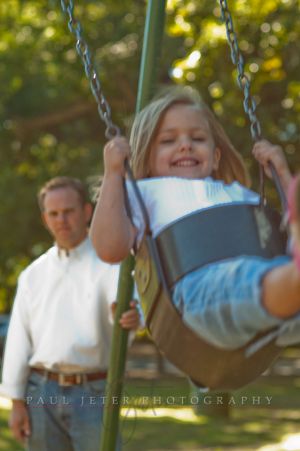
(200, 238)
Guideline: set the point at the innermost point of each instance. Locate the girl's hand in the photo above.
(115, 153)
(265, 152)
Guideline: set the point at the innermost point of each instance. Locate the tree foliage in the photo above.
(49, 123)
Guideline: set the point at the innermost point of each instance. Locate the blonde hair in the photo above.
(146, 123)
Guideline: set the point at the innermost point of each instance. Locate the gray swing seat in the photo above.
(198, 239)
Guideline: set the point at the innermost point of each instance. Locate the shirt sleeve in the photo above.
(135, 212)
(18, 347)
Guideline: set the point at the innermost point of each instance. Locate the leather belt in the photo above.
(65, 380)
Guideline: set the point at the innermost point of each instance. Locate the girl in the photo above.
(187, 163)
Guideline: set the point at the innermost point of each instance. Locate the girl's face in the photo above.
(183, 145)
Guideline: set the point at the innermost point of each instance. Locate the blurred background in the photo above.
(49, 126)
(49, 123)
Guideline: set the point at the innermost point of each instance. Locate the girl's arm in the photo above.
(112, 232)
(265, 152)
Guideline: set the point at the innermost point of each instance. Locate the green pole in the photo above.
(153, 35)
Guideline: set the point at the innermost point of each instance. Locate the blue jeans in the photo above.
(222, 303)
(65, 418)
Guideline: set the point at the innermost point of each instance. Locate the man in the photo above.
(59, 337)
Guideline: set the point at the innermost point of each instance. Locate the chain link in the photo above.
(242, 79)
(83, 51)
(249, 102)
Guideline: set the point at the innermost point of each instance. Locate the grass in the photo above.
(260, 414)
(159, 416)
(6, 441)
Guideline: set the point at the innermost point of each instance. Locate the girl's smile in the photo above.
(185, 162)
(183, 145)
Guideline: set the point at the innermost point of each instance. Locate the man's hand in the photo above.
(131, 318)
(19, 421)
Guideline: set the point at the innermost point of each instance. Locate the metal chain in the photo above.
(249, 103)
(83, 51)
(243, 80)
(244, 84)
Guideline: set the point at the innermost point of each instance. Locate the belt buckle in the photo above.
(80, 378)
(62, 380)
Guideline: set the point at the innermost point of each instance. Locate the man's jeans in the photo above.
(65, 418)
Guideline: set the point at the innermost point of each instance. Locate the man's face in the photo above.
(65, 217)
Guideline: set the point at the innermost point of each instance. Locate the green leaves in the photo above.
(49, 123)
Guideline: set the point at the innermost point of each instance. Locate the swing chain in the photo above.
(242, 79)
(83, 51)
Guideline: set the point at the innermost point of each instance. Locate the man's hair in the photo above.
(62, 182)
(147, 122)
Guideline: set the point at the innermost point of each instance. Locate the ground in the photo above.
(162, 413)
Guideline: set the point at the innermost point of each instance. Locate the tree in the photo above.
(48, 118)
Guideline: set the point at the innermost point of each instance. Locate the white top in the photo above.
(61, 316)
(169, 198)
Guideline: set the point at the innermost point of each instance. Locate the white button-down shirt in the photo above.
(61, 318)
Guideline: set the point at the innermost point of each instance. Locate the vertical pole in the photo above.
(153, 34)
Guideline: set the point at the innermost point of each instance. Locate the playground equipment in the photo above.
(252, 230)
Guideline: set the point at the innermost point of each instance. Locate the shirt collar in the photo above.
(75, 252)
